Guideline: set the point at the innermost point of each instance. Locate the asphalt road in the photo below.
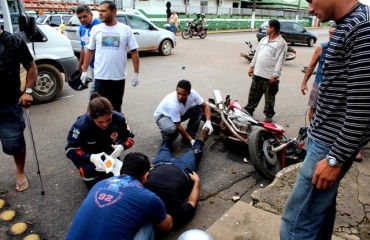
(213, 63)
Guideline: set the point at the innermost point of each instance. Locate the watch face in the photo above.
(29, 91)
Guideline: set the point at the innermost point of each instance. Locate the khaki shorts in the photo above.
(312, 102)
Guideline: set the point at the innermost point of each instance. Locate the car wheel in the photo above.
(165, 47)
(310, 42)
(49, 83)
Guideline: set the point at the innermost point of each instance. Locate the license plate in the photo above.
(71, 34)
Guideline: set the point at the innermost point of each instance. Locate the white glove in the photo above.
(192, 142)
(118, 149)
(135, 79)
(116, 170)
(208, 125)
(96, 159)
(84, 77)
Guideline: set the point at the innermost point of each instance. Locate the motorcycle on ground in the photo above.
(291, 53)
(269, 149)
(190, 32)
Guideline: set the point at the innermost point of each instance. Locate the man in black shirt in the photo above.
(174, 180)
(13, 53)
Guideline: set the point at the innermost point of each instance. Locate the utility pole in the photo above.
(298, 10)
(253, 14)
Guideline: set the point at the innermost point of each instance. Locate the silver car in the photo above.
(148, 36)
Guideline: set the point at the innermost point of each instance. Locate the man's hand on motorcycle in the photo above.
(208, 125)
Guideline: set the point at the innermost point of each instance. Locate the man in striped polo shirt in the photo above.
(340, 126)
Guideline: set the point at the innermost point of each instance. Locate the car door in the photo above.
(299, 33)
(146, 35)
(286, 31)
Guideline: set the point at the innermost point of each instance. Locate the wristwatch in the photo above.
(333, 162)
(29, 91)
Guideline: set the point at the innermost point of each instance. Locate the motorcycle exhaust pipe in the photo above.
(218, 99)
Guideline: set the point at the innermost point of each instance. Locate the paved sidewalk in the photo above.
(246, 222)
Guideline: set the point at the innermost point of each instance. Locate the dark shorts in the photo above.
(12, 126)
(312, 102)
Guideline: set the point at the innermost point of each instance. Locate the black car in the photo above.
(292, 32)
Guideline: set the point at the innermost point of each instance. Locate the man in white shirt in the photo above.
(111, 41)
(266, 70)
(183, 104)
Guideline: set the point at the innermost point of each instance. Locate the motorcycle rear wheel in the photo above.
(185, 34)
(203, 35)
(266, 162)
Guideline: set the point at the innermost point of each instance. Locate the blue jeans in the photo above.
(309, 212)
(146, 232)
(12, 126)
(169, 130)
(188, 160)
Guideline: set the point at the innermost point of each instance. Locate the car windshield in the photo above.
(41, 18)
(73, 21)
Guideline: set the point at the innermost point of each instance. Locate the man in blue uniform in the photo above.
(120, 207)
(87, 21)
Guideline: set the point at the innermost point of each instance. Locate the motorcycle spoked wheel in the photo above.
(290, 56)
(203, 35)
(185, 34)
(266, 162)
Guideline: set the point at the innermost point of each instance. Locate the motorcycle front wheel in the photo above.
(290, 56)
(203, 35)
(266, 162)
(185, 34)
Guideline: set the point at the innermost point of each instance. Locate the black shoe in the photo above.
(245, 110)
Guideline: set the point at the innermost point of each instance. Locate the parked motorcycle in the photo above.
(269, 150)
(291, 53)
(189, 31)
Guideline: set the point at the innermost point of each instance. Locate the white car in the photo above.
(148, 36)
(53, 20)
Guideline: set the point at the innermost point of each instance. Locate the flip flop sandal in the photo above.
(20, 187)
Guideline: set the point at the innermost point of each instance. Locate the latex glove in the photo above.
(118, 149)
(208, 125)
(135, 80)
(97, 160)
(84, 77)
(116, 170)
(192, 142)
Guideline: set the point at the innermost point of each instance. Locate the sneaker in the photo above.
(268, 119)
(359, 157)
(204, 134)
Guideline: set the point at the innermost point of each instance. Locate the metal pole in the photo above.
(27, 117)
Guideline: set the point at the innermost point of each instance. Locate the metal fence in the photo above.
(272, 13)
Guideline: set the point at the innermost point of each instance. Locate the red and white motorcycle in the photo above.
(269, 149)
